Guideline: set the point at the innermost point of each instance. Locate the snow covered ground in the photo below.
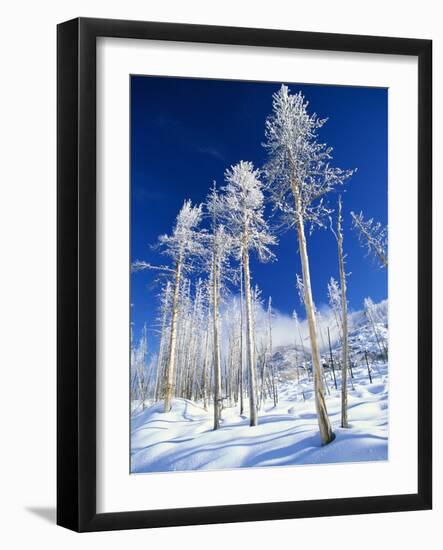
(287, 434)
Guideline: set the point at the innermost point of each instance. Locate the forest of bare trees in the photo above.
(214, 327)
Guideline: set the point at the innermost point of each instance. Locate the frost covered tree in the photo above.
(193, 345)
(141, 369)
(233, 341)
(258, 338)
(302, 345)
(183, 245)
(221, 249)
(165, 307)
(373, 235)
(207, 345)
(192, 339)
(297, 344)
(334, 296)
(240, 368)
(300, 175)
(220, 244)
(344, 316)
(243, 213)
(192, 328)
(184, 332)
(268, 366)
(320, 323)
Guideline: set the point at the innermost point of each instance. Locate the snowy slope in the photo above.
(183, 439)
(287, 434)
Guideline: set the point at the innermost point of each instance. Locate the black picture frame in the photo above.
(76, 266)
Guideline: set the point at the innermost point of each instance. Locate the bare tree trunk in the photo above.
(332, 359)
(268, 353)
(320, 404)
(205, 367)
(367, 364)
(320, 331)
(297, 367)
(274, 386)
(344, 315)
(255, 356)
(159, 373)
(161, 353)
(170, 371)
(160, 361)
(194, 343)
(217, 358)
(242, 406)
(250, 339)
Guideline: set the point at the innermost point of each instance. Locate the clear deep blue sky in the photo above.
(186, 132)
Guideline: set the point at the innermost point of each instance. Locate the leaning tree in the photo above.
(299, 174)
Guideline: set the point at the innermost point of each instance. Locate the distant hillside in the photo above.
(364, 336)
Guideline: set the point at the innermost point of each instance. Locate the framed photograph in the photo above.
(244, 274)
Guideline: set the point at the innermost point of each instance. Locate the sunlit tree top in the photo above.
(297, 161)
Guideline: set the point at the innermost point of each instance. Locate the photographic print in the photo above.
(259, 274)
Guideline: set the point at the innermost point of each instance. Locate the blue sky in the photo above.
(186, 132)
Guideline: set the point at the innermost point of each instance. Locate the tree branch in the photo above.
(139, 265)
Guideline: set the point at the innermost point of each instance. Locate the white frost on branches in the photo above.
(186, 242)
(373, 235)
(220, 241)
(299, 176)
(300, 287)
(140, 265)
(242, 209)
(334, 296)
(184, 245)
(297, 158)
